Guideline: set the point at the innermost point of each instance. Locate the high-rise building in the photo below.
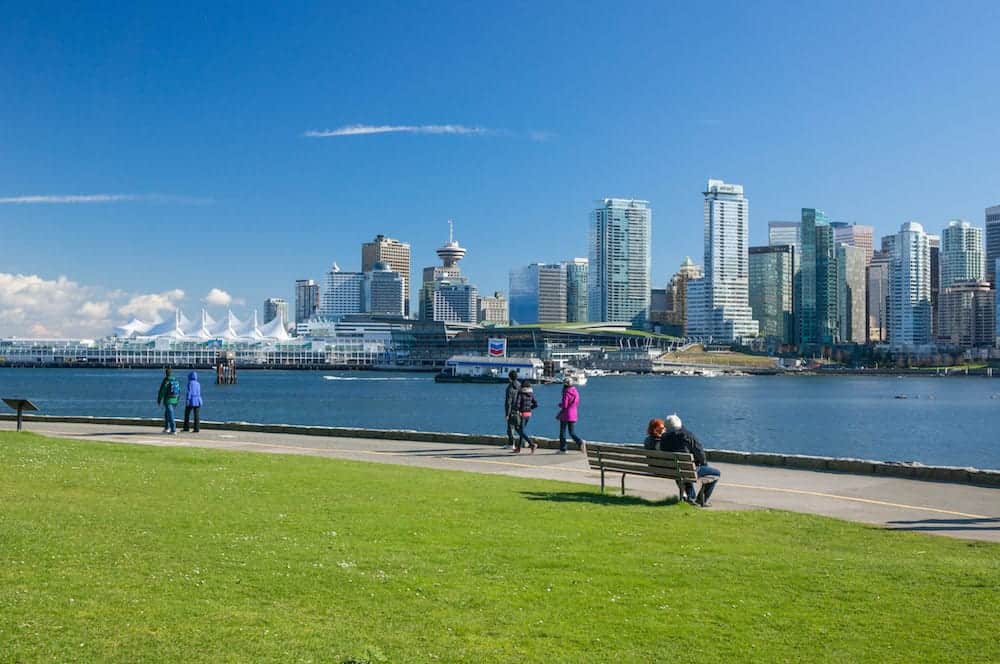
(787, 233)
(992, 244)
(967, 315)
(817, 313)
(576, 290)
(677, 295)
(275, 307)
(493, 310)
(878, 297)
(910, 288)
(962, 256)
(934, 248)
(342, 294)
(851, 295)
(771, 290)
(619, 266)
(306, 300)
(538, 294)
(383, 291)
(456, 302)
(453, 304)
(855, 235)
(393, 253)
(727, 313)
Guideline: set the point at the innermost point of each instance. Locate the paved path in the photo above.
(955, 510)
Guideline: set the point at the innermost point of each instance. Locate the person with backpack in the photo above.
(524, 403)
(193, 402)
(169, 395)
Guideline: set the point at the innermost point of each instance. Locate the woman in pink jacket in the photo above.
(568, 415)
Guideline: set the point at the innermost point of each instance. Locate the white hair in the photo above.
(673, 422)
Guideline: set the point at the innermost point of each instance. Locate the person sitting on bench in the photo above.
(678, 439)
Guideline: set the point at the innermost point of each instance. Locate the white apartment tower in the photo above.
(910, 288)
(962, 257)
(342, 295)
(619, 264)
(727, 315)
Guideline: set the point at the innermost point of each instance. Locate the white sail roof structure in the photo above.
(172, 327)
(207, 323)
(133, 328)
(276, 329)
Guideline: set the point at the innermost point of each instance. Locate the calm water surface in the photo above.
(948, 421)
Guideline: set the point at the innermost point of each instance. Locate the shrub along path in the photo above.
(139, 553)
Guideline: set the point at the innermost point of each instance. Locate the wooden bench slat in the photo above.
(662, 463)
(651, 471)
(639, 452)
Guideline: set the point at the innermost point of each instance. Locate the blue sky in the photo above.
(197, 118)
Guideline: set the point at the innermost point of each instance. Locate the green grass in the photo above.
(132, 553)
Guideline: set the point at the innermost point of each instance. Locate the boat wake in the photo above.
(380, 378)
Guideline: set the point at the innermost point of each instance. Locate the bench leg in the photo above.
(602, 480)
(623, 484)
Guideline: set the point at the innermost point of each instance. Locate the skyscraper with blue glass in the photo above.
(619, 265)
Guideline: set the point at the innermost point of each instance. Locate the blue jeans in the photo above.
(562, 435)
(168, 418)
(522, 435)
(707, 487)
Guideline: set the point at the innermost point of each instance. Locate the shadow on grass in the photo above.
(928, 525)
(596, 498)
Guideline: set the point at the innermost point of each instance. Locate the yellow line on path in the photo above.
(803, 492)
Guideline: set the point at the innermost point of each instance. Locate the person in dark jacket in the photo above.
(193, 402)
(678, 439)
(524, 403)
(169, 394)
(509, 414)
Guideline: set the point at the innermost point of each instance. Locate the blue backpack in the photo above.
(173, 389)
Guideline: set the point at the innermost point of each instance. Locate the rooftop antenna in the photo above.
(451, 231)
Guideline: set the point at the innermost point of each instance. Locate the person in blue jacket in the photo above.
(193, 402)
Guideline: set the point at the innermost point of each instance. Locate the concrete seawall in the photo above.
(955, 474)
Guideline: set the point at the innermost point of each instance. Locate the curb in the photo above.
(916, 471)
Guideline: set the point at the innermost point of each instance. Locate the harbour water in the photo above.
(941, 421)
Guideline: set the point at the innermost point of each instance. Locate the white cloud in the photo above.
(218, 298)
(364, 130)
(95, 310)
(149, 306)
(102, 198)
(33, 306)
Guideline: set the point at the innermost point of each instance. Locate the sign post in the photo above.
(20, 405)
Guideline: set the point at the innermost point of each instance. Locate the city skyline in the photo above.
(134, 182)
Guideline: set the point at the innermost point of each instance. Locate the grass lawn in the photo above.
(132, 553)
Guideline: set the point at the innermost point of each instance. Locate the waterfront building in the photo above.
(855, 235)
(393, 253)
(962, 257)
(456, 302)
(275, 307)
(494, 310)
(967, 315)
(992, 244)
(727, 315)
(576, 290)
(851, 296)
(620, 262)
(306, 300)
(383, 291)
(771, 291)
(677, 295)
(538, 294)
(910, 288)
(817, 315)
(342, 294)
(878, 297)
(934, 248)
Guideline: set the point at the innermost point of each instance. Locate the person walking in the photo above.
(510, 414)
(524, 403)
(678, 439)
(169, 395)
(568, 411)
(193, 402)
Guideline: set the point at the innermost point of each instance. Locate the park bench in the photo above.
(634, 460)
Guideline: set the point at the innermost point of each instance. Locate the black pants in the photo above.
(197, 417)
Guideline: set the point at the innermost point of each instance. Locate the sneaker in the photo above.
(534, 446)
(560, 451)
(171, 433)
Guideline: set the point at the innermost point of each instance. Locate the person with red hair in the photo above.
(654, 430)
